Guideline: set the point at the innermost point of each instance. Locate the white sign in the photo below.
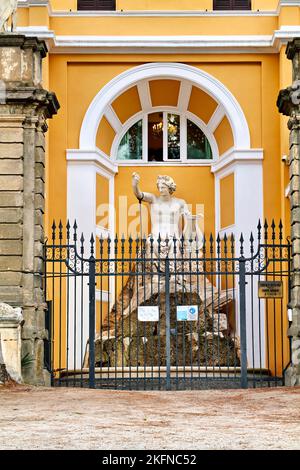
(187, 313)
(148, 313)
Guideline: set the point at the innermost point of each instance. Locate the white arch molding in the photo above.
(241, 160)
(197, 77)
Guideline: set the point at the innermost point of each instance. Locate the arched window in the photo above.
(164, 136)
(131, 145)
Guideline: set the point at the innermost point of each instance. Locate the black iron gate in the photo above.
(149, 314)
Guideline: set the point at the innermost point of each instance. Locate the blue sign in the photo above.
(187, 312)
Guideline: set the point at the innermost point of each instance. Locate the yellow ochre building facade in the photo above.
(185, 88)
(118, 73)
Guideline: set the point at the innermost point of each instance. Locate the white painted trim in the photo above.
(140, 115)
(103, 232)
(113, 119)
(209, 135)
(95, 156)
(36, 3)
(183, 137)
(235, 155)
(131, 77)
(213, 44)
(164, 13)
(104, 297)
(216, 118)
(145, 140)
(144, 95)
(165, 138)
(184, 95)
(228, 231)
(171, 44)
(247, 168)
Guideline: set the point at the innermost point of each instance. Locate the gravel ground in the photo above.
(41, 418)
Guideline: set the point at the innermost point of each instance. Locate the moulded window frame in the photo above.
(184, 116)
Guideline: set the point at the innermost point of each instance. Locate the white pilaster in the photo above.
(246, 165)
(82, 168)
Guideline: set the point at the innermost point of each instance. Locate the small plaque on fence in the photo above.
(270, 289)
(187, 313)
(148, 313)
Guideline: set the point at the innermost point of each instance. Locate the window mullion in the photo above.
(145, 138)
(165, 136)
(183, 138)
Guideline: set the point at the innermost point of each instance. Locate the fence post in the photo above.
(92, 295)
(168, 326)
(243, 331)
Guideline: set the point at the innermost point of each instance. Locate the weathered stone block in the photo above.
(11, 263)
(11, 295)
(10, 64)
(11, 150)
(40, 142)
(39, 186)
(39, 265)
(11, 199)
(294, 138)
(11, 247)
(10, 278)
(39, 297)
(10, 331)
(40, 171)
(294, 153)
(11, 215)
(294, 168)
(295, 232)
(296, 258)
(11, 167)
(40, 202)
(295, 200)
(295, 281)
(294, 183)
(295, 216)
(40, 155)
(39, 234)
(39, 217)
(11, 183)
(11, 135)
(11, 231)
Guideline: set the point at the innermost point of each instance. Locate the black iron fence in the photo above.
(168, 314)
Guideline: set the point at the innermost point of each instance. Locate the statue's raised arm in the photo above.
(8, 9)
(141, 196)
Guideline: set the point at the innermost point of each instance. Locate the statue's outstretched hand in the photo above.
(135, 179)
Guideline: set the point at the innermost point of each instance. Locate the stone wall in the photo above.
(289, 105)
(23, 113)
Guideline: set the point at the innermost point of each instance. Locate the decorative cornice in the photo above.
(28, 96)
(24, 41)
(233, 156)
(227, 44)
(284, 103)
(92, 156)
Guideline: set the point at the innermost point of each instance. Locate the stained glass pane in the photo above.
(173, 137)
(198, 147)
(131, 145)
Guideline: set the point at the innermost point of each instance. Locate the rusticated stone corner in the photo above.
(24, 110)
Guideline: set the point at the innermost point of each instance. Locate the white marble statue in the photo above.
(166, 211)
(170, 216)
(8, 9)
